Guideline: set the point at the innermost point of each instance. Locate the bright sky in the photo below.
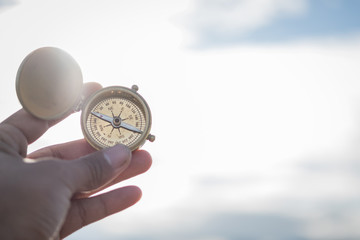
(255, 108)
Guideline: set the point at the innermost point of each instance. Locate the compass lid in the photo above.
(49, 83)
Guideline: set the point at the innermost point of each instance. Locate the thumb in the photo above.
(96, 169)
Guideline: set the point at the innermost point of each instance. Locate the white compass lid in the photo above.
(49, 83)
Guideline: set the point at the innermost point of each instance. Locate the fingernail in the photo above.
(118, 156)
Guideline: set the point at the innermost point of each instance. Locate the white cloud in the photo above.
(4, 3)
(239, 16)
(272, 129)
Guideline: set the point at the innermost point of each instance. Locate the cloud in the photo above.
(229, 22)
(242, 16)
(6, 3)
(231, 17)
(234, 226)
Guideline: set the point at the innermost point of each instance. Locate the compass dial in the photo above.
(116, 115)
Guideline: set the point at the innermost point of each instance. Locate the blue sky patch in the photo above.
(322, 18)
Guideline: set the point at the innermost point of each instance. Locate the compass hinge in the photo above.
(79, 105)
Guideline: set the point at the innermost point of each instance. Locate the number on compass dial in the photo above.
(115, 121)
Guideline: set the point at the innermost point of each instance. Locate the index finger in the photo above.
(22, 125)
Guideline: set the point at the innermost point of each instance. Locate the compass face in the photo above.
(116, 115)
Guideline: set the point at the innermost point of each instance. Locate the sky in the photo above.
(255, 107)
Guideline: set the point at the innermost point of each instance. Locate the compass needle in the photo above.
(102, 116)
(129, 127)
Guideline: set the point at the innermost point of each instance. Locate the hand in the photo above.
(49, 199)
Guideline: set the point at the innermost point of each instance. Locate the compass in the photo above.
(48, 85)
(116, 115)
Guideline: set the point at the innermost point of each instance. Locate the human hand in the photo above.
(50, 199)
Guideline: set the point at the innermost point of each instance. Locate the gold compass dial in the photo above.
(116, 116)
(121, 111)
